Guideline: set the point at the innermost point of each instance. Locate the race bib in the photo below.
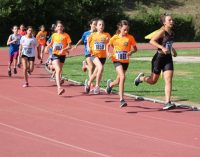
(57, 46)
(28, 51)
(42, 36)
(121, 55)
(99, 46)
(168, 45)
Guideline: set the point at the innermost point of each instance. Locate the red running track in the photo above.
(147, 46)
(35, 122)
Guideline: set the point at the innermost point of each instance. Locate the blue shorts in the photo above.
(60, 58)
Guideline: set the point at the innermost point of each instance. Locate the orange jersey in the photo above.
(97, 43)
(41, 37)
(60, 41)
(122, 45)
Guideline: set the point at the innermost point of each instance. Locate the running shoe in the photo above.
(123, 103)
(108, 88)
(9, 73)
(25, 85)
(15, 70)
(96, 90)
(87, 87)
(60, 91)
(169, 106)
(137, 79)
(84, 66)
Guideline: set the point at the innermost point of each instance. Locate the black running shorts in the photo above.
(162, 62)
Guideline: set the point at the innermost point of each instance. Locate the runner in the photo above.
(124, 45)
(97, 47)
(28, 44)
(61, 43)
(162, 60)
(87, 63)
(13, 42)
(48, 63)
(22, 32)
(41, 37)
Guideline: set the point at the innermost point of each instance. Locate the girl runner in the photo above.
(87, 63)
(22, 32)
(41, 37)
(61, 43)
(48, 63)
(124, 45)
(13, 42)
(97, 47)
(162, 60)
(28, 44)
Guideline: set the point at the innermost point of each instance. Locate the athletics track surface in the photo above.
(35, 122)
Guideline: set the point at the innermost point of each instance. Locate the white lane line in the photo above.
(145, 116)
(53, 140)
(146, 137)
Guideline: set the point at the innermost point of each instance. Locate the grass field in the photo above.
(186, 86)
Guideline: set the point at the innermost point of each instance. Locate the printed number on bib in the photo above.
(57, 46)
(27, 50)
(121, 55)
(42, 36)
(168, 45)
(99, 46)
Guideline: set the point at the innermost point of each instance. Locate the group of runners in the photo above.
(98, 46)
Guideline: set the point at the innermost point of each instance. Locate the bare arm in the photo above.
(20, 50)
(10, 41)
(78, 43)
(134, 50)
(174, 53)
(108, 52)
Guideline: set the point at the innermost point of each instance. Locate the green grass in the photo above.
(185, 82)
(149, 53)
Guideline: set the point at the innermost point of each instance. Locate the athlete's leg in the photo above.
(150, 79)
(121, 78)
(42, 52)
(90, 66)
(168, 84)
(99, 68)
(25, 68)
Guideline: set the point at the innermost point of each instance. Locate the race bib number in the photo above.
(168, 45)
(99, 46)
(121, 55)
(27, 51)
(57, 46)
(42, 36)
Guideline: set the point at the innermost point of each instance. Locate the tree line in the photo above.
(75, 14)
